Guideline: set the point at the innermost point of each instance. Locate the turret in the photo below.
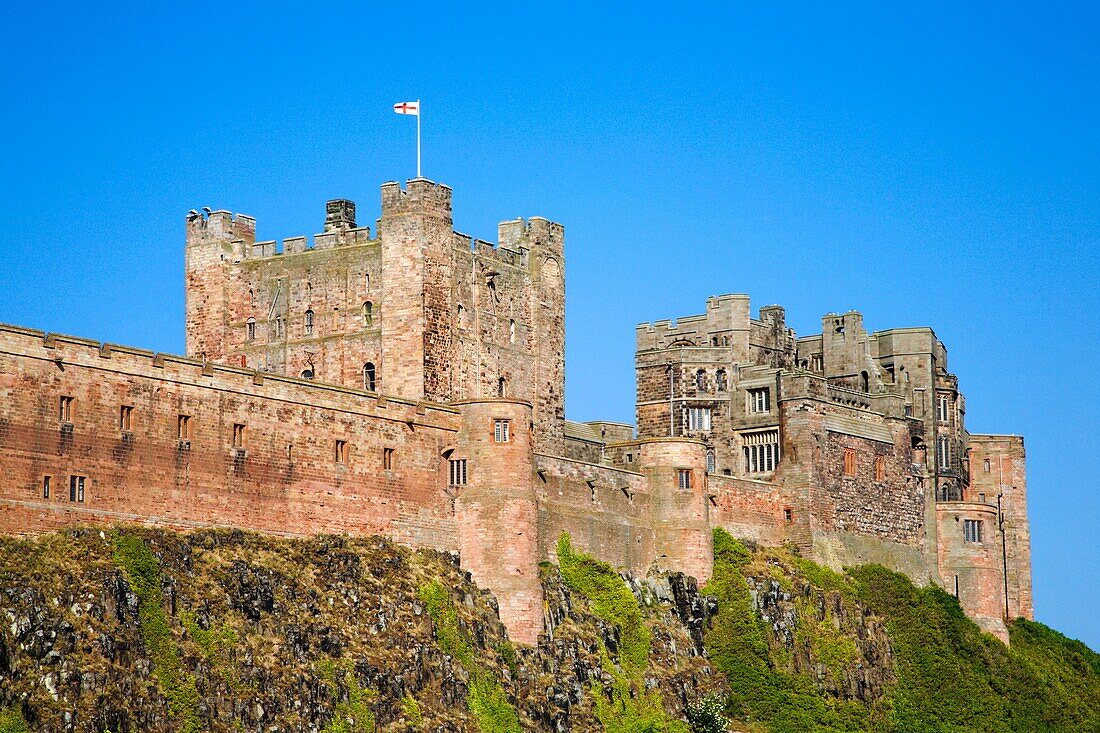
(416, 233)
(215, 241)
(677, 472)
(496, 511)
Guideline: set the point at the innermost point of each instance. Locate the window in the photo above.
(849, 462)
(985, 465)
(981, 497)
(307, 374)
(817, 363)
(46, 487)
(500, 430)
(710, 461)
(368, 314)
(683, 478)
(701, 380)
(880, 468)
(387, 459)
(309, 322)
(458, 472)
(126, 418)
(238, 436)
(972, 530)
(280, 327)
(76, 488)
(461, 316)
(720, 380)
(943, 407)
(251, 329)
(368, 376)
(341, 451)
(501, 387)
(788, 516)
(761, 451)
(66, 410)
(699, 418)
(183, 427)
(943, 451)
(511, 332)
(758, 400)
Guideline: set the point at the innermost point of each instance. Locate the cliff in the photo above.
(128, 630)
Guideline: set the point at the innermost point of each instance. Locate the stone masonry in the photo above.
(410, 383)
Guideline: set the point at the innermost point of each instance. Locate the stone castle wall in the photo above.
(285, 478)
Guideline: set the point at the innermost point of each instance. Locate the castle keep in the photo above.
(409, 382)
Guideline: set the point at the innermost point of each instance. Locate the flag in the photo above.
(407, 108)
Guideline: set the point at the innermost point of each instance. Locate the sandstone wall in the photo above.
(285, 479)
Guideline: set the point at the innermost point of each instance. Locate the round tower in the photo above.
(496, 510)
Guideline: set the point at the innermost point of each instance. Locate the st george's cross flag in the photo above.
(407, 108)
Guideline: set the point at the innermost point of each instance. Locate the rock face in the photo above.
(283, 635)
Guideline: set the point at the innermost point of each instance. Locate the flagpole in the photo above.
(418, 138)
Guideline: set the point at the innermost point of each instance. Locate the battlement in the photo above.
(420, 195)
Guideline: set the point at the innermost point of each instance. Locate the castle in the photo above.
(410, 382)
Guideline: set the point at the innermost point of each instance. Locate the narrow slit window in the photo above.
(387, 459)
(65, 412)
(880, 468)
(849, 462)
(368, 377)
(46, 486)
(368, 314)
(126, 418)
(76, 489)
(183, 427)
(342, 451)
(309, 323)
(251, 329)
(238, 435)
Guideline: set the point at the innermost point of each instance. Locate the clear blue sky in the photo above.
(936, 165)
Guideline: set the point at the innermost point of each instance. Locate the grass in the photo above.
(631, 708)
(486, 699)
(142, 571)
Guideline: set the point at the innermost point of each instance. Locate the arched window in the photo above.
(461, 316)
(710, 461)
(720, 380)
(864, 382)
(701, 380)
(366, 281)
(251, 329)
(511, 332)
(368, 314)
(307, 374)
(309, 322)
(368, 376)
(502, 387)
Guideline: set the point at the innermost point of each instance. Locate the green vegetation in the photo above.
(761, 688)
(950, 675)
(486, 699)
(142, 570)
(410, 708)
(354, 714)
(12, 721)
(609, 599)
(707, 715)
(632, 708)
